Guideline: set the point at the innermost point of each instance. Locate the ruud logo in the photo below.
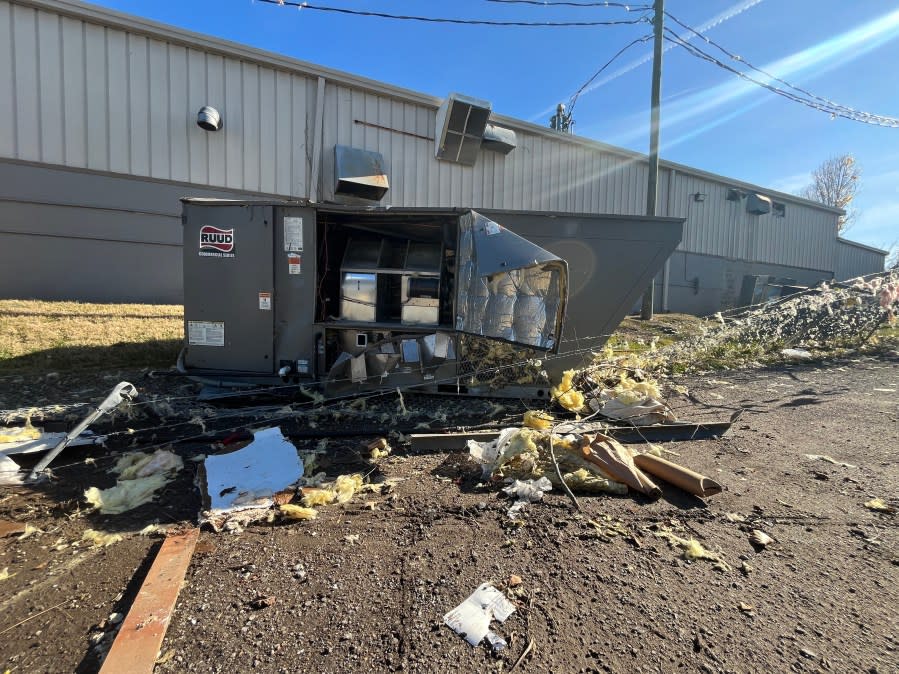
(215, 242)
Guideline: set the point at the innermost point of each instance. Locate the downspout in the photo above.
(317, 140)
(666, 271)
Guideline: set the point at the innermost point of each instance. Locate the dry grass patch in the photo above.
(44, 336)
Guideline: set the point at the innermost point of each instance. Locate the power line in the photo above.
(586, 84)
(806, 98)
(560, 3)
(466, 22)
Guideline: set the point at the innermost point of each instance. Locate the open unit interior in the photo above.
(396, 292)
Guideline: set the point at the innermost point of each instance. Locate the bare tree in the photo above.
(835, 183)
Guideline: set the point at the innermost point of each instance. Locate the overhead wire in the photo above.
(574, 97)
(466, 22)
(561, 3)
(803, 96)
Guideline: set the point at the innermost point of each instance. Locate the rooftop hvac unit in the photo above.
(461, 121)
(758, 204)
(447, 300)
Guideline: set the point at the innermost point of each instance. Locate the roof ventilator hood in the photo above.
(461, 121)
(359, 173)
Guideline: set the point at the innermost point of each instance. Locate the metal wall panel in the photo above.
(80, 94)
(853, 260)
(102, 95)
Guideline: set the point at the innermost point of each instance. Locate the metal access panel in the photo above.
(228, 286)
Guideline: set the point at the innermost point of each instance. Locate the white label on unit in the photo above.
(294, 263)
(492, 228)
(293, 234)
(265, 301)
(206, 333)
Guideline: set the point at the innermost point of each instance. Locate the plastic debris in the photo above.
(295, 512)
(796, 354)
(5, 574)
(351, 539)
(471, 619)
(100, 539)
(526, 491)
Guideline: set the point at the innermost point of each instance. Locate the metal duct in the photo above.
(461, 121)
(360, 173)
(499, 139)
(208, 118)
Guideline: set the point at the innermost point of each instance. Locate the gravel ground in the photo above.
(600, 590)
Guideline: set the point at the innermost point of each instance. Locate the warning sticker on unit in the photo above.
(293, 234)
(205, 333)
(265, 301)
(294, 264)
(492, 228)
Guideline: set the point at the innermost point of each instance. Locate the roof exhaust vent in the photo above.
(208, 118)
(461, 121)
(499, 139)
(359, 173)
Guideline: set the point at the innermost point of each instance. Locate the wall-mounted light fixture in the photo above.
(699, 196)
(208, 118)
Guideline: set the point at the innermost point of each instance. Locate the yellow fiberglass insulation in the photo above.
(693, 549)
(346, 485)
(318, 497)
(20, 434)
(540, 421)
(631, 392)
(565, 393)
(126, 494)
(585, 481)
(100, 539)
(296, 512)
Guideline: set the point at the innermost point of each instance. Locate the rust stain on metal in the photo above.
(137, 644)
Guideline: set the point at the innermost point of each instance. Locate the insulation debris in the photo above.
(379, 448)
(879, 505)
(295, 512)
(471, 619)
(318, 497)
(18, 434)
(693, 550)
(540, 421)
(140, 476)
(100, 539)
(566, 394)
(828, 459)
(634, 409)
(345, 486)
(5, 574)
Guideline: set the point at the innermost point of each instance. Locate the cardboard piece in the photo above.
(688, 480)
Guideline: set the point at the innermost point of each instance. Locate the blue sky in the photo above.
(844, 51)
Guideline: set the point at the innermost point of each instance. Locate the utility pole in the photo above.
(653, 173)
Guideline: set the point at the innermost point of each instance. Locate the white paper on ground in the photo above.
(249, 477)
(471, 619)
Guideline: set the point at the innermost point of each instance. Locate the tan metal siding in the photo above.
(855, 261)
(79, 94)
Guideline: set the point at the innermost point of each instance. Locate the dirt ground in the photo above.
(600, 590)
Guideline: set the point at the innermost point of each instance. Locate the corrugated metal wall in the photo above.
(854, 260)
(83, 95)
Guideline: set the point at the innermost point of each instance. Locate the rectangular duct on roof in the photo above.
(461, 121)
(499, 139)
(758, 204)
(359, 173)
